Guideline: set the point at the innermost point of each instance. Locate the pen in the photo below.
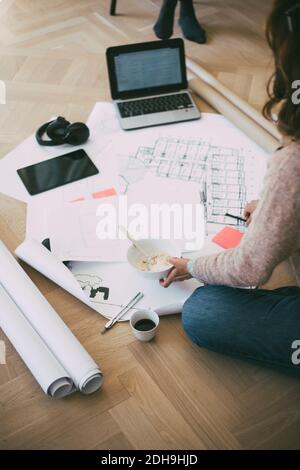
(122, 312)
(235, 217)
(203, 198)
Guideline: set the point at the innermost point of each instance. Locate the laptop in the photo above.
(148, 84)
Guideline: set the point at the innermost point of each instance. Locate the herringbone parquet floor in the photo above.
(167, 394)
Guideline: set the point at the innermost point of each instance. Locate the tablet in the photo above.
(57, 171)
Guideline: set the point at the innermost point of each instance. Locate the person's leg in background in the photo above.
(191, 28)
(163, 27)
(259, 324)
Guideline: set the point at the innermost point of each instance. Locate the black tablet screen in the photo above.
(57, 171)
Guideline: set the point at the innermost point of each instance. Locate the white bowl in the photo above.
(152, 247)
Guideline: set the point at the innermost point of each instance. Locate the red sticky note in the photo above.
(105, 193)
(228, 237)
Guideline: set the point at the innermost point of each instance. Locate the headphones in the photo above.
(60, 131)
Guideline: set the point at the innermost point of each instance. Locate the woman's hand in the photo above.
(248, 211)
(179, 272)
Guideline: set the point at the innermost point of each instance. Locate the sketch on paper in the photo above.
(225, 175)
(95, 275)
(92, 285)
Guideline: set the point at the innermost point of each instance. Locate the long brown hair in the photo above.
(283, 35)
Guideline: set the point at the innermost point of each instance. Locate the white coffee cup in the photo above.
(144, 315)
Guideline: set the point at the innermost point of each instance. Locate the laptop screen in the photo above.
(146, 68)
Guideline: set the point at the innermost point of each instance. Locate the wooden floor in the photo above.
(167, 394)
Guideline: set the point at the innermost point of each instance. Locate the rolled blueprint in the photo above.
(233, 98)
(237, 111)
(41, 321)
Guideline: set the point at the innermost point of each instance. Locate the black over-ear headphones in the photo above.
(60, 131)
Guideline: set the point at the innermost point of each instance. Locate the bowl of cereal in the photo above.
(152, 257)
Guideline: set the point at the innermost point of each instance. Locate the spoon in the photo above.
(149, 259)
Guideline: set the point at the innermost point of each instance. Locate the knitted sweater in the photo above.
(273, 235)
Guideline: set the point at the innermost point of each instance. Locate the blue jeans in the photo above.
(258, 325)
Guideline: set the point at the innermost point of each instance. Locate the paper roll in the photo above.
(236, 100)
(251, 128)
(36, 255)
(41, 362)
(75, 362)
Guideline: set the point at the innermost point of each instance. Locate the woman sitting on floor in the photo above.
(259, 324)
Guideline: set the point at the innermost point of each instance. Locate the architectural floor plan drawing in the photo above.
(225, 175)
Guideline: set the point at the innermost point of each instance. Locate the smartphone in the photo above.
(57, 171)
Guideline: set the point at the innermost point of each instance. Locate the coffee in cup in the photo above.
(144, 324)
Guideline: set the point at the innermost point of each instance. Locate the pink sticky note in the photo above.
(228, 237)
(105, 193)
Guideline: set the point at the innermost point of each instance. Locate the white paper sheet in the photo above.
(37, 221)
(226, 164)
(89, 190)
(73, 233)
(73, 227)
(119, 277)
(124, 283)
(26, 308)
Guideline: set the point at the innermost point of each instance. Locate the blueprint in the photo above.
(228, 177)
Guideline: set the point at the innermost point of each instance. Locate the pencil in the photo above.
(235, 217)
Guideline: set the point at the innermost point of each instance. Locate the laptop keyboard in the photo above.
(158, 104)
